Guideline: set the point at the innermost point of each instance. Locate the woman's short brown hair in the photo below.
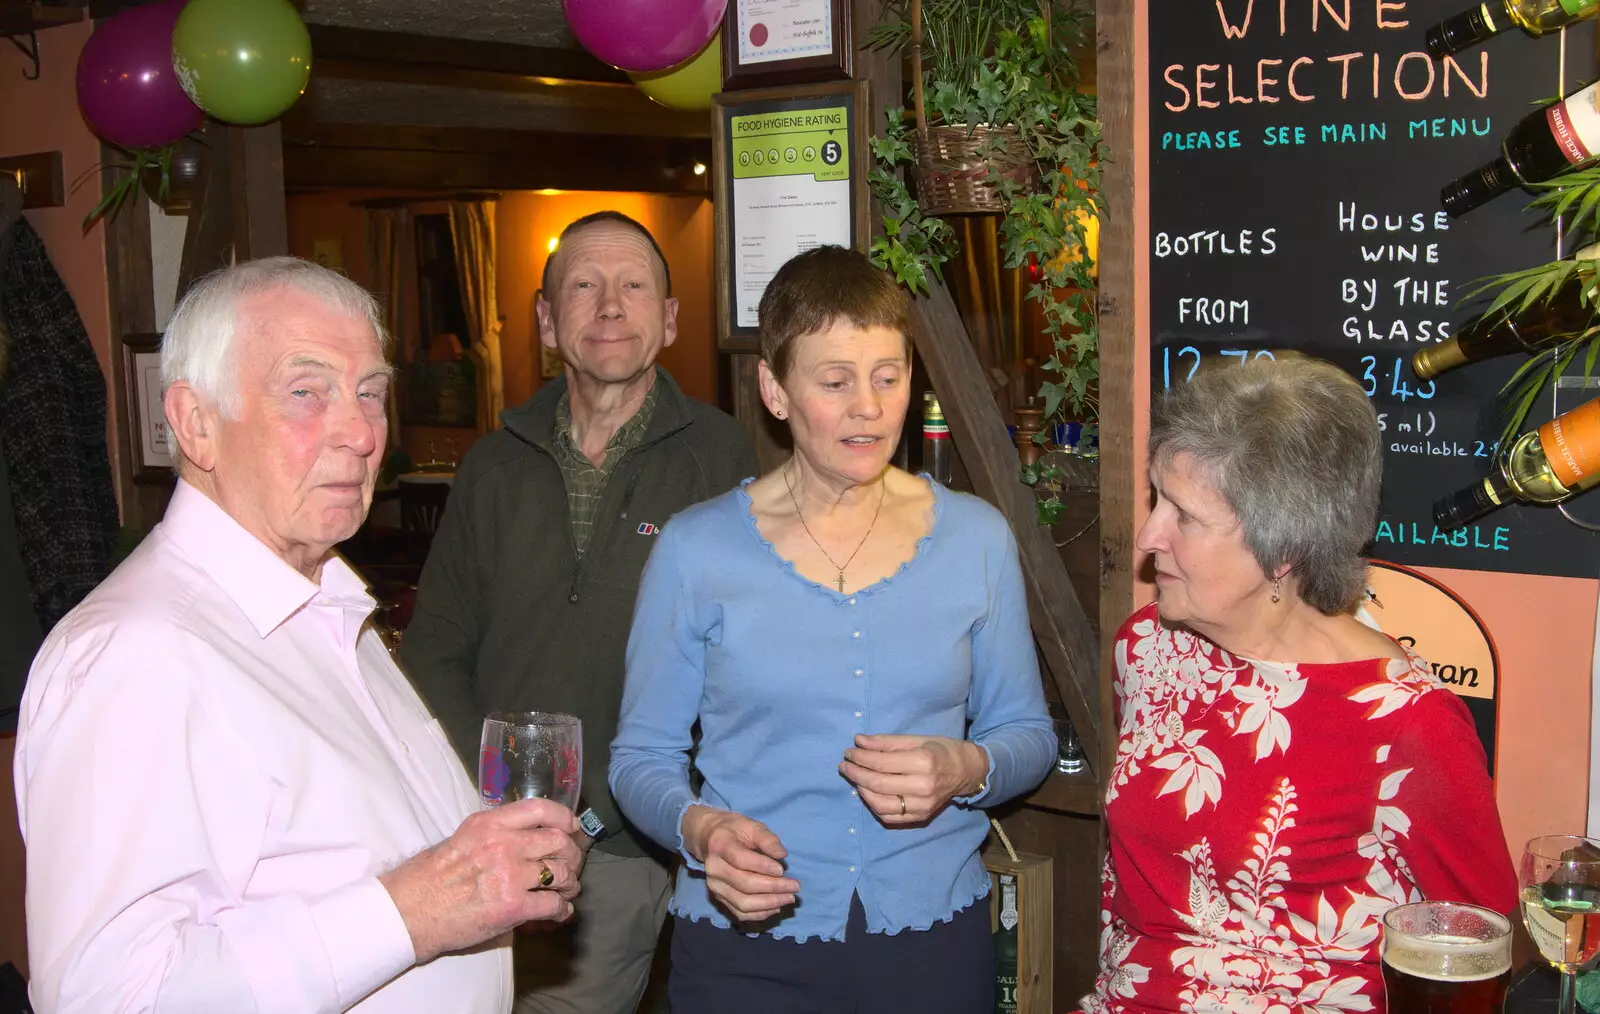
(820, 286)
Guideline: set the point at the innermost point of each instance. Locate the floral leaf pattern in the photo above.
(1251, 926)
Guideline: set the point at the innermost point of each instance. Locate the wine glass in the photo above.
(1560, 885)
(531, 755)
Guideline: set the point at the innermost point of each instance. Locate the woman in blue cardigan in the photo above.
(853, 641)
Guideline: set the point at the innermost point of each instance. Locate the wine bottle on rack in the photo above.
(1488, 19)
(935, 440)
(1503, 333)
(1542, 145)
(1545, 466)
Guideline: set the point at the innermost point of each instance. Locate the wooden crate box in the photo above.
(1021, 901)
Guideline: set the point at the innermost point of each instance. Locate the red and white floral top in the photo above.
(1263, 816)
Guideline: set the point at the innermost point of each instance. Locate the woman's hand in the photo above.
(909, 779)
(741, 857)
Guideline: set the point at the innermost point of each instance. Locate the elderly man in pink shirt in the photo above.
(232, 799)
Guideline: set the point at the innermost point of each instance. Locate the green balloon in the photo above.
(242, 61)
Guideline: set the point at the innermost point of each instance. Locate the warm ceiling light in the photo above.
(550, 247)
(699, 168)
(549, 192)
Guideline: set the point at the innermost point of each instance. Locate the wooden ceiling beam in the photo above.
(479, 78)
(324, 155)
(426, 52)
(20, 18)
(304, 132)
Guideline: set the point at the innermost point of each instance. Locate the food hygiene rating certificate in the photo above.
(784, 30)
(791, 192)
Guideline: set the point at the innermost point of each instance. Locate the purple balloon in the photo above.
(127, 89)
(644, 35)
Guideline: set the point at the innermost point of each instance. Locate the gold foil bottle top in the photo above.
(1435, 359)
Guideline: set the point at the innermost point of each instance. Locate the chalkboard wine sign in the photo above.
(1296, 151)
(1488, 19)
(1546, 466)
(1544, 144)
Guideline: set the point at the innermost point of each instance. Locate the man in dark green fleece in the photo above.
(527, 596)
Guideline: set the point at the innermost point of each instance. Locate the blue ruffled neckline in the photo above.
(939, 494)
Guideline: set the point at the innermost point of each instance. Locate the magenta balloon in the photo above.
(126, 86)
(644, 35)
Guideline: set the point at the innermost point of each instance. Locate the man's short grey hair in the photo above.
(199, 342)
(1293, 446)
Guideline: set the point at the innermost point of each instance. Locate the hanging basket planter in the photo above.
(955, 165)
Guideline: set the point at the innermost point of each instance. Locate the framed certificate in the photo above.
(790, 174)
(151, 446)
(776, 42)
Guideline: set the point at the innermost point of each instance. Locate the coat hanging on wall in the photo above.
(52, 429)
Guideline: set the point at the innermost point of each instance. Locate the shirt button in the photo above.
(855, 633)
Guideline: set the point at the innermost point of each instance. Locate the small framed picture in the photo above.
(790, 174)
(778, 42)
(151, 446)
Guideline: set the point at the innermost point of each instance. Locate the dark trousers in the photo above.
(945, 969)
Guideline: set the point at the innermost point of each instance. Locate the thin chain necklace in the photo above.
(882, 491)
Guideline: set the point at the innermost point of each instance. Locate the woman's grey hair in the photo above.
(1293, 446)
(198, 345)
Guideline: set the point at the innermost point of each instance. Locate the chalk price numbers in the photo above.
(1373, 374)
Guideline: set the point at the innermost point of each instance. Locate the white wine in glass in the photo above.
(1560, 893)
(531, 755)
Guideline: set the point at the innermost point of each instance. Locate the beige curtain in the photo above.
(388, 233)
(472, 230)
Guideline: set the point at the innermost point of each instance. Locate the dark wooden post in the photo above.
(1115, 66)
(241, 214)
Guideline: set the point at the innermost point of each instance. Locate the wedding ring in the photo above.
(902, 806)
(546, 877)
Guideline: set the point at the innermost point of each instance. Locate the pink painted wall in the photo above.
(43, 115)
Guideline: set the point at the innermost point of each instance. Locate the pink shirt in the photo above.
(215, 759)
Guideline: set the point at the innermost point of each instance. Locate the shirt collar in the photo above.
(265, 588)
(628, 436)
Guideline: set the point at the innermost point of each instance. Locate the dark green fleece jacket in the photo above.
(508, 617)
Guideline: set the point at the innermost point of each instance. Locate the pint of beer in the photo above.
(1444, 957)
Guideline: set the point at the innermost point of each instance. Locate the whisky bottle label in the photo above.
(1008, 902)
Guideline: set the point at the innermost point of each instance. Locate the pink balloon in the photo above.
(127, 90)
(644, 35)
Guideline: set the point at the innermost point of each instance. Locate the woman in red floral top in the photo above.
(1284, 772)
